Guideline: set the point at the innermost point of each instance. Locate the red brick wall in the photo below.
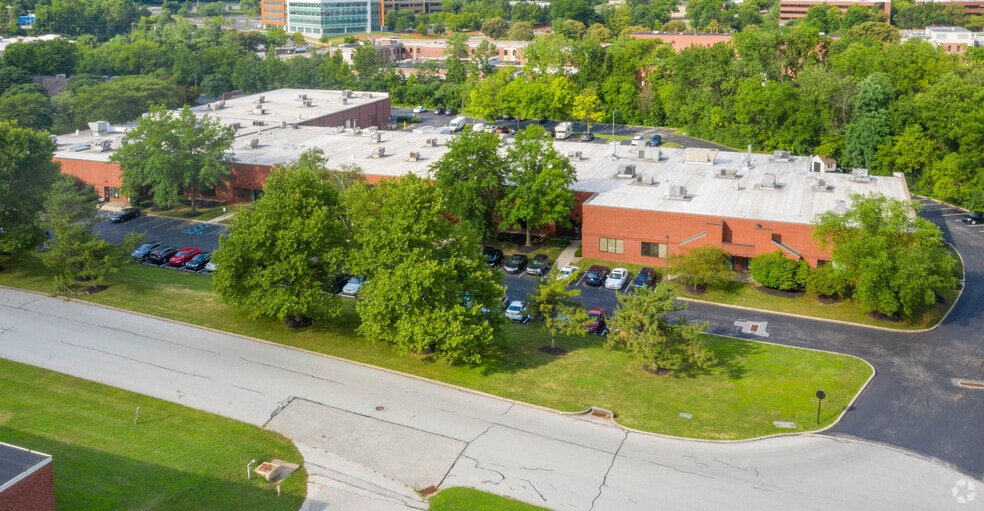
(35, 492)
(739, 237)
(98, 174)
(376, 113)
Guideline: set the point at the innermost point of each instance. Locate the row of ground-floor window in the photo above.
(658, 251)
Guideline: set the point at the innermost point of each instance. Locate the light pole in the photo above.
(667, 256)
(614, 143)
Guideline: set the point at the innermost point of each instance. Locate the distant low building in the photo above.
(681, 41)
(27, 481)
(954, 40)
(795, 9)
(336, 17)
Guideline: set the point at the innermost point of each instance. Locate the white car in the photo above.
(419, 109)
(617, 278)
(353, 286)
(566, 272)
(210, 267)
(516, 311)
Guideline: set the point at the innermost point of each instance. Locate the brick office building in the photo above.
(634, 204)
(26, 480)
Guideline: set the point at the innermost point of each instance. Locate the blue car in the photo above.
(647, 277)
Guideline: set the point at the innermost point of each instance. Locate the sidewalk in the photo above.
(566, 257)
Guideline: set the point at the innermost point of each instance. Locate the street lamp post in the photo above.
(614, 142)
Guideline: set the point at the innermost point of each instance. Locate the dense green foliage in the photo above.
(168, 152)
(26, 174)
(555, 308)
(640, 325)
(896, 263)
(80, 258)
(777, 271)
(283, 254)
(702, 267)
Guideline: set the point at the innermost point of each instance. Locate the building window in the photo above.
(111, 193)
(654, 249)
(611, 245)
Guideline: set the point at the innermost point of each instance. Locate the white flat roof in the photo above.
(795, 198)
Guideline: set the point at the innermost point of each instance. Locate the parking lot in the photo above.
(174, 232)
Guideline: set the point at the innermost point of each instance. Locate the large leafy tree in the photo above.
(428, 288)
(896, 261)
(121, 100)
(701, 267)
(471, 176)
(556, 310)
(26, 173)
(283, 254)
(80, 259)
(540, 193)
(640, 324)
(169, 151)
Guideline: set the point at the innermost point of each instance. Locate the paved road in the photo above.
(370, 437)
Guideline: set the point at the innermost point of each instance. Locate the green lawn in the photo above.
(467, 499)
(173, 458)
(753, 385)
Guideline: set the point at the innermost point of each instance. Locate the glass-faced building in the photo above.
(332, 17)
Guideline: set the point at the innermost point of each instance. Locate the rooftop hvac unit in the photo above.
(106, 145)
(431, 142)
(302, 97)
(414, 156)
(294, 125)
(99, 127)
(254, 143)
(374, 138)
(652, 153)
(781, 156)
(367, 94)
(237, 125)
(860, 175)
(54, 139)
(344, 100)
(377, 152)
(81, 147)
(259, 110)
(768, 181)
(574, 155)
(283, 124)
(729, 173)
(220, 105)
(261, 99)
(640, 153)
(346, 93)
(307, 102)
(626, 170)
(678, 191)
(259, 123)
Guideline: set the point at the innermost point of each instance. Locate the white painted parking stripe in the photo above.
(953, 214)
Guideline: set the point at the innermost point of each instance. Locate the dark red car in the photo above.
(183, 256)
(598, 324)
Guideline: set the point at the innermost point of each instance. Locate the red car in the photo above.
(598, 324)
(183, 256)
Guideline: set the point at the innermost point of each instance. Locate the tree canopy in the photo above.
(896, 262)
(540, 178)
(640, 324)
(471, 175)
(26, 174)
(556, 310)
(283, 254)
(170, 151)
(428, 288)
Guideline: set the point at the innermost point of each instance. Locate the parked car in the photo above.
(638, 140)
(419, 109)
(596, 275)
(198, 262)
(587, 137)
(540, 265)
(140, 253)
(599, 321)
(973, 218)
(122, 215)
(353, 286)
(210, 267)
(183, 256)
(451, 112)
(493, 256)
(647, 277)
(516, 263)
(617, 279)
(655, 141)
(501, 129)
(161, 255)
(567, 273)
(517, 311)
(438, 111)
(338, 283)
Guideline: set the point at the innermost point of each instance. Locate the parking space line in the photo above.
(953, 214)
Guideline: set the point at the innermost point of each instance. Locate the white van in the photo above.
(478, 127)
(457, 124)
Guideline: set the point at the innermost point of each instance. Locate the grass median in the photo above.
(172, 458)
(754, 384)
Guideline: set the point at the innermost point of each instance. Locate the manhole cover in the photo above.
(754, 328)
